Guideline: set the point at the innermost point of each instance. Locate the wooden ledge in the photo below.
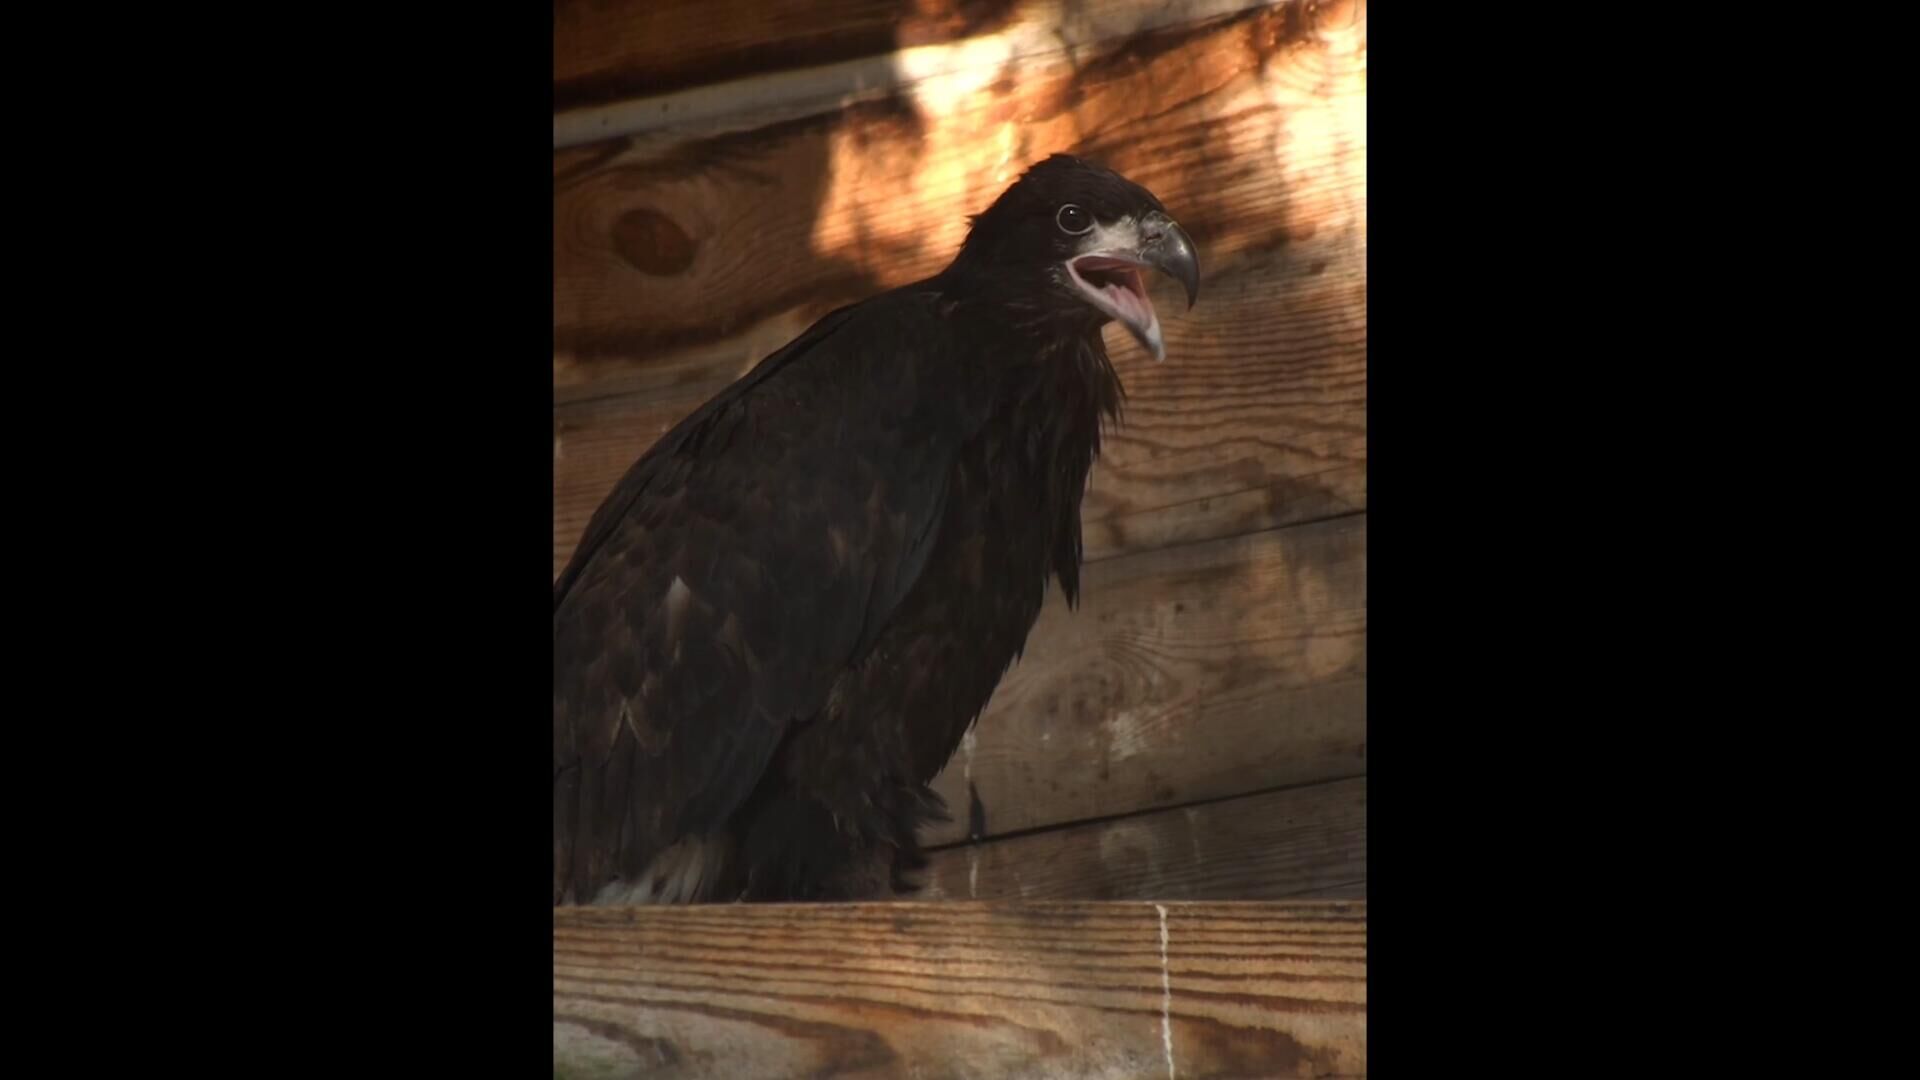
(961, 989)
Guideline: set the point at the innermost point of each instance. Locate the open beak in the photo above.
(1107, 272)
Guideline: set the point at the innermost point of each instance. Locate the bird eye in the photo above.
(1073, 221)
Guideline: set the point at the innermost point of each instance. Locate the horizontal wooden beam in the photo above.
(1074, 991)
(638, 67)
(1268, 846)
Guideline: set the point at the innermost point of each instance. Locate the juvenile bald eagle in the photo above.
(781, 622)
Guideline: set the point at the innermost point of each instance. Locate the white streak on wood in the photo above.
(1166, 993)
(1131, 732)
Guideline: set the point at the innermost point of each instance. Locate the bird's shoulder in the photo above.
(882, 371)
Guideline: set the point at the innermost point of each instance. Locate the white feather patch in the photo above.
(677, 596)
(682, 874)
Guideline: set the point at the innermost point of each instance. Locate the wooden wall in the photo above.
(727, 171)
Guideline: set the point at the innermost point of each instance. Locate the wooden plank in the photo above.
(962, 990)
(604, 51)
(688, 258)
(628, 66)
(1191, 673)
(1256, 419)
(1269, 846)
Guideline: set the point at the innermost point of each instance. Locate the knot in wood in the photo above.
(652, 243)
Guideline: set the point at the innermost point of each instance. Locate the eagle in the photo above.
(784, 618)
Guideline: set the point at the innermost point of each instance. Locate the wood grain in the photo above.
(1256, 419)
(1269, 846)
(1191, 673)
(962, 990)
(604, 51)
(624, 67)
(676, 254)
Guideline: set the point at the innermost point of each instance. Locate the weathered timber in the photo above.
(622, 69)
(822, 52)
(1194, 672)
(606, 51)
(1269, 846)
(1066, 991)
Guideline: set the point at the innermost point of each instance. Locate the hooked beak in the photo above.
(1107, 272)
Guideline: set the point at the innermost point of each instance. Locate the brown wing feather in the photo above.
(733, 573)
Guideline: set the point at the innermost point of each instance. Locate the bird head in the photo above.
(1073, 237)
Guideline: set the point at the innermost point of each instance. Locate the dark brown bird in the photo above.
(781, 622)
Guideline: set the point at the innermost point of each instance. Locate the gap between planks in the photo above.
(1170, 545)
(1102, 819)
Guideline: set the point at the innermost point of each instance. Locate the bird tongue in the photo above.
(1119, 283)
